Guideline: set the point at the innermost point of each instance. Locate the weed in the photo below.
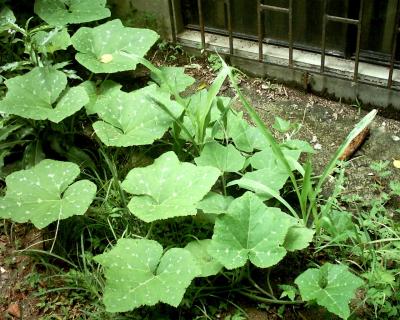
(215, 62)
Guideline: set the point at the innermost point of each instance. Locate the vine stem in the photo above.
(268, 300)
(270, 295)
(223, 181)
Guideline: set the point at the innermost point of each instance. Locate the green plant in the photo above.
(211, 189)
(215, 62)
(369, 237)
(357, 105)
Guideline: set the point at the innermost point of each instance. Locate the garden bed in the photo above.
(218, 197)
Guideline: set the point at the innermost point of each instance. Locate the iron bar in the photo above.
(394, 47)
(172, 18)
(274, 8)
(290, 33)
(201, 23)
(263, 7)
(358, 23)
(229, 14)
(358, 46)
(342, 19)
(323, 42)
(260, 31)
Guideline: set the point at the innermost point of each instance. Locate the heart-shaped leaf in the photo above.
(215, 203)
(111, 47)
(134, 118)
(226, 159)
(32, 96)
(98, 93)
(331, 286)
(138, 273)
(168, 188)
(63, 12)
(298, 238)
(245, 136)
(266, 159)
(173, 79)
(43, 194)
(209, 266)
(250, 231)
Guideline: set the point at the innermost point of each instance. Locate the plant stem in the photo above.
(223, 182)
(269, 282)
(267, 300)
(149, 231)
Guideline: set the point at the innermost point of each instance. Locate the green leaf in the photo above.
(339, 225)
(44, 194)
(215, 203)
(138, 273)
(63, 12)
(7, 18)
(250, 231)
(173, 79)
(298, 238)
(208, 265)
(281, 125)
(266, 159)
(32, 96)
(200, 115)
(33, 154)
(288, 291)
(395, 187)
(130, 119)
(300, 145)
(168, 188)
(259, 180)
(339, 286)
(111, 47)
(49, 42)
(226, 159)
(98, 93)
(245, 136)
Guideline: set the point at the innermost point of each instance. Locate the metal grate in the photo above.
(260, 10)
(358, 22)
(326, 18)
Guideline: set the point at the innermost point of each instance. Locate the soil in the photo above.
(325, 124)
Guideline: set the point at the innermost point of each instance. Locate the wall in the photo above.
(152, 14)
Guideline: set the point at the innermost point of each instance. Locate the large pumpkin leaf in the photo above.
(63, 12)
(215, 203)
(331, 286)
(111, 47)
(173, 79)
(32, 96)
(138, 273)
(98, 93)
(298, 238)
(266, 159)
(43, 194)
(226, 159)
(250, 231)
(168, 188)
(208, 265)
(133, 118)
(245, 136)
